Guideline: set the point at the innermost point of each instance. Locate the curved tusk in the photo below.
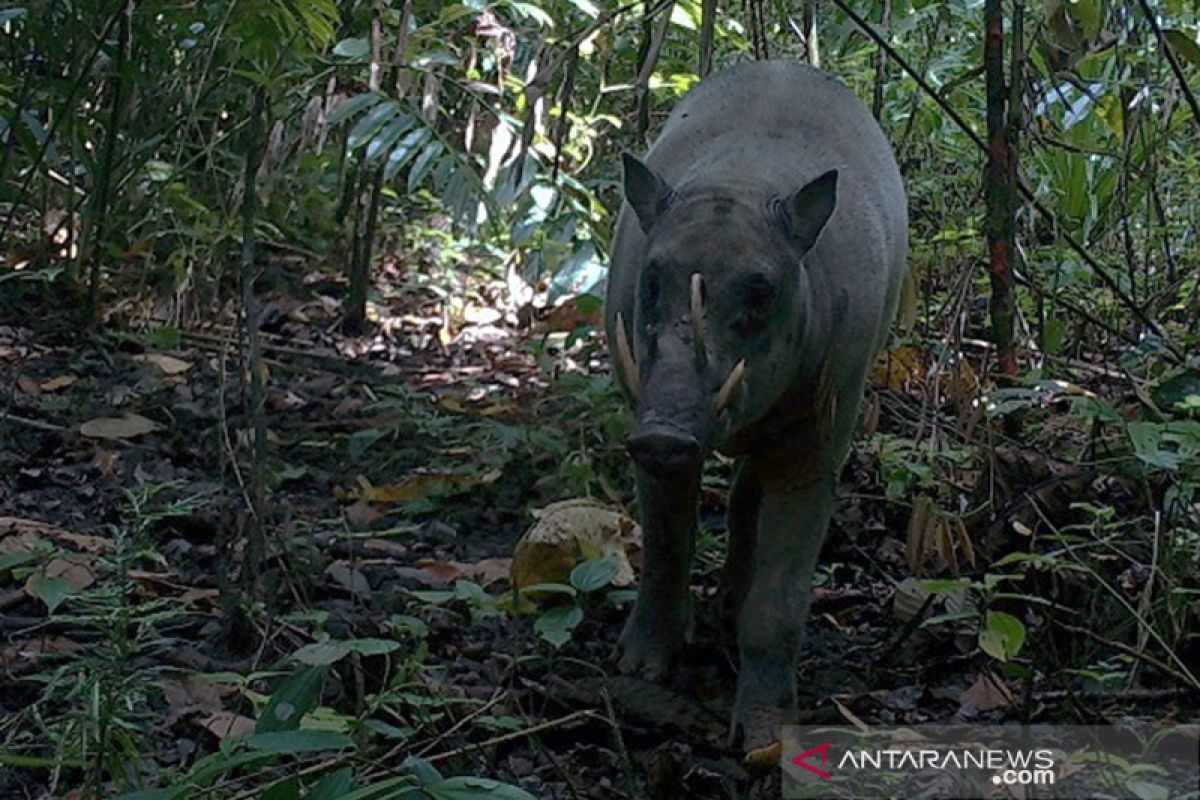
(625, 360)
(698, 317)
(725, 393)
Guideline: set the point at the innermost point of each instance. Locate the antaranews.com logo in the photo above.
(1138, 761)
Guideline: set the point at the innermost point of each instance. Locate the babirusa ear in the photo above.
(807, 211)
(648, 194)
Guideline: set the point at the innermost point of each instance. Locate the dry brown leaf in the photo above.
(386, 546)
(987, 693)
(74, 570)
(13, 656)
(61, 382)
(28, 385)
(86, 543)
(227, 725)
(568, 532)
(491, 570)
(185, 697)
(423, 484)
(168, 365)
(362, 514)
(18, 534)
(105, 462)
(200, 596)
(767, 756)
(126, 427)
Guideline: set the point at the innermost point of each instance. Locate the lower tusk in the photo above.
(625, 360)
(725, 393)
(698, 317)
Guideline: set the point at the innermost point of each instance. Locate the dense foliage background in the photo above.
(300, 320)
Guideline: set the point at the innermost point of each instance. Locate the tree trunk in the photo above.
(999, 192)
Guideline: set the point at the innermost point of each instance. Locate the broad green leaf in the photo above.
(595, 573)
(425, 772)
(555, 625)
(352, 48)
(403, 786)
(10, 560)
(1003, 635)
(1088, 13)
(333, 786)
(348, 108)
(51, 591)
(373, 647)
(295, 696)
(286, 789)
(298, 741)
(321, 653)
(1183, 45)
(388, 136)
(408, 147)
(1168, 445)
(467, 788)
(1180, 391)
(371, 122)
(423, 163)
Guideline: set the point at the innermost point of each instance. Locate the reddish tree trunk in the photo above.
(999, 192)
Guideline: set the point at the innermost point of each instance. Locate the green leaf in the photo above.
(334, 785)
(373, 647)
(388, 136)
(356, 49)
(1167, 445)
(1183, 45)
(1088, 13)
(467, 788)
(16, 559)
(425, 772)
(404, 151)
(348, 108)
(421, 166)
(51, 591)
(153, 794)
(595, 573)
(298, 741)
(550, 588)
(938, 586)
(295, 696)
(286, 789)
(1146, 790)
(555, 625)
(371, 122)
(321, 653)
(1181, 391)
(1003, 635)
(389, 789)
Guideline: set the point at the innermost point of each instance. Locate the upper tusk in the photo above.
(698, 317)
(625, 360)
(725, 393)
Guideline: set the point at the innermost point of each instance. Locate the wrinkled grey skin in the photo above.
(774, 183)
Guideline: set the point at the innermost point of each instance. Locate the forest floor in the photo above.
(403, 467)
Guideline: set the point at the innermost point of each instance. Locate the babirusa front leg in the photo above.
(655, 632)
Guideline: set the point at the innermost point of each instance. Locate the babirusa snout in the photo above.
(698, 318)
(725, 393)
(625, 362)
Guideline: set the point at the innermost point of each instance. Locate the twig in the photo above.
(576, 716)
(31, 423)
